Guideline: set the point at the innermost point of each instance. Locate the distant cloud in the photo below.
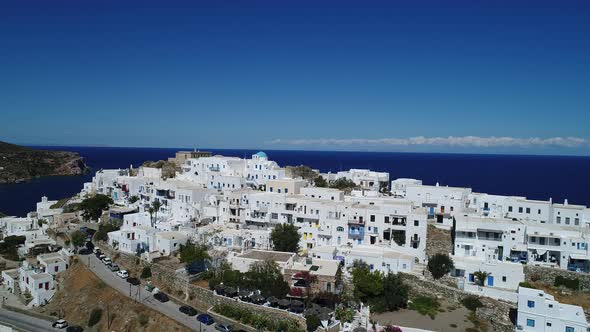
(451, 141)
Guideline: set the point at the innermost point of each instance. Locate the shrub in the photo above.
(527, 284)
(391, 328)
(472, 303)
(345, 314)
(143, 319)
(95, 316)
(535, 277)
(313, 322)
(573, 283)
(146, 272)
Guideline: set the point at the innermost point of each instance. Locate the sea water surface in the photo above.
(535, 177)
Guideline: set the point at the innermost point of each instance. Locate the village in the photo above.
(256, 246)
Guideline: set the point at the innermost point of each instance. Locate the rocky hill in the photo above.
(19, 163)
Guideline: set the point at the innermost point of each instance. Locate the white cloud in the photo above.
(453, 141)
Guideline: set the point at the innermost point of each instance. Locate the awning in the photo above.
(579, 256)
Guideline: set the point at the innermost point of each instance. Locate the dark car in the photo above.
(84, 251)
(161, 297)
(224, 327)
(134, 281)
(97, 253)
(187, 310)
(89, 245)
(74, 328)
(205, 319)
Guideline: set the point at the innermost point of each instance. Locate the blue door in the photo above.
(471, 278)
(490, 281)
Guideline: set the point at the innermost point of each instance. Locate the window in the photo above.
(558, 220)
(40, 285)
(286, 190)
(372, 217)
(530, 322)
(539, 211)
(386, 219)
(510, 209)
(520, 209)
(504, 278)
(548, 323)
(340, 229)
(576, 221)
(569, 329)
(528, 210)
(530, 304)
(567, 220)
(416, 223)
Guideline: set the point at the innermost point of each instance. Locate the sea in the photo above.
(535, 177)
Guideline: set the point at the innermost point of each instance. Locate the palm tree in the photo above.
(481, 277)
(151, 212)
(156, 205)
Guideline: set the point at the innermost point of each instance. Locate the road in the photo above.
(139, 294)
(24, 322)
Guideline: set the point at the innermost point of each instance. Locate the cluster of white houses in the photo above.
(234, 203)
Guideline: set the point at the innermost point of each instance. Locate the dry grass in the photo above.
(81, 291)
(566, 296)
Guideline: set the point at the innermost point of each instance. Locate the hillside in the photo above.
(80, 291)
(18, 163)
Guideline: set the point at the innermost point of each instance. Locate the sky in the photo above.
(423, 76)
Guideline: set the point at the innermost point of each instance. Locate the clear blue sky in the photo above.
(298, 74)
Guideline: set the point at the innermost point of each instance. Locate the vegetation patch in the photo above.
(258, 321)
(472, 303)
(425, 305)
(571, 283)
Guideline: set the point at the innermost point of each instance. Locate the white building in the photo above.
(538, 312)
(364, 178)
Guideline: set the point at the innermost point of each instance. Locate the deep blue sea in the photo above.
(536, 177)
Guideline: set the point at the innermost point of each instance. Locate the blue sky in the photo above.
(333, 75)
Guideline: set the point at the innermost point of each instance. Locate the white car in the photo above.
(60, 324)
(123, 274)
(107, 261)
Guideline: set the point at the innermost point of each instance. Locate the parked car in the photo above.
(96, 251)
(205, 319)
(123, 274)
(187, 310)
(90, 245)
(84, 251)
(161, 297)
(101, 256)
(134, 281)
(60, 324)
(75, 328)
(114, 267)
(224, 327)
(107, 261)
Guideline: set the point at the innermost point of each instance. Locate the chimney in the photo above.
(437, 184)
(565, 201)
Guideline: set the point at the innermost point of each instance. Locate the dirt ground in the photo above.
(565, 295)
(439, 241)
(449, 321)
(80, 291)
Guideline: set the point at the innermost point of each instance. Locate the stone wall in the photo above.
(547, 275)
(495, 312)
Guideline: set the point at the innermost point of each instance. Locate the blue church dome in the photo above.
(261, 154)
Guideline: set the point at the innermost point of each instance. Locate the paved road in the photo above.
(24, 322)
(139, 294)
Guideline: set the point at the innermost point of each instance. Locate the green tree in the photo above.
(92, 207)
(191, 252)
(319, 181)
(367, 285)
(395, 292)
(156, 205)
(343, 184)
(266, 276)
(481, 277)
(133, 199)
(285, 237)
(439, 265)
(95, 316)
(146, 272)
(105, 228)
(78, 239)
(312, 322)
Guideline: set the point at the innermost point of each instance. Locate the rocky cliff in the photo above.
(19, 163)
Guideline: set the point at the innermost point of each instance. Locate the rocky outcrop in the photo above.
(18, 163)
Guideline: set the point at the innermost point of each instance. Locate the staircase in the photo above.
(419, 270)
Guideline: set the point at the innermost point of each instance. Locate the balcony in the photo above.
(352, 221)
(214, 168)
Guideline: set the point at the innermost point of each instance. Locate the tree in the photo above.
(285, 237)
(156, 205)
(367, 284)
(105, 228)
(151, 212)
(92, 207)
(191, 252)
(95, 316)
(266, 276)
(319, 181)
(343, 184)
(146, 272)
(133, 199)
(78, 239)
(481, 277)
(395, 291)
(312, 322)
(439, 265)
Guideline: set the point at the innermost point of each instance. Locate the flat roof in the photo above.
(277, 256)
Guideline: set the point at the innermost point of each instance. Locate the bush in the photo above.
(535, 277)
(143, 319)
(472, 303)
(573, 283)
(313, 322)
(526, 284)
(95, 316)
(258, 321)
(146, 272)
